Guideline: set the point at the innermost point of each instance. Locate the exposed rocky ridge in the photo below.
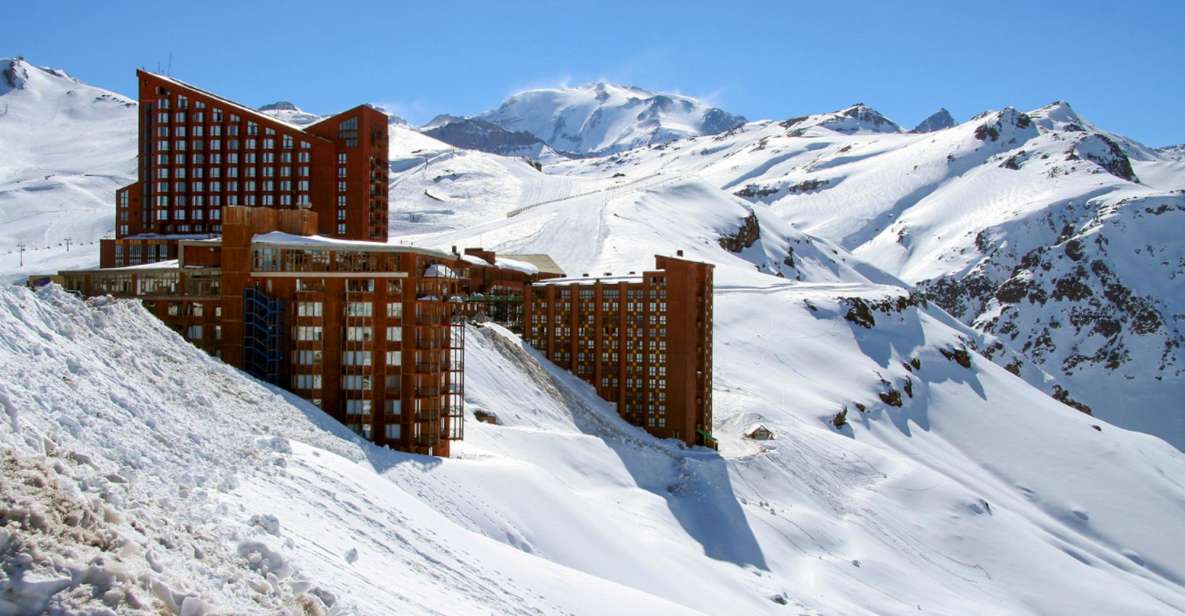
(939, 120)
(475, 134)
(854, 119)
(15, 73)
(744, 237)
(1065, 305)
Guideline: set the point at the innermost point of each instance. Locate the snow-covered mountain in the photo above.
(1173, 152)
(963, 211)
(475, 134)
(289, 112)
(936, 121)
(64, 149)
(602, 118)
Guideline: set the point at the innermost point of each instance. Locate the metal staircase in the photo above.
(262, 328)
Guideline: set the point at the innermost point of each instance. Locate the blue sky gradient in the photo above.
(1120, 64)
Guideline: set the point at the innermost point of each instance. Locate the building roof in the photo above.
(279, 238)
(229, 103)
(171, 236)
(590, 280)
(171, 265)
(543, 263)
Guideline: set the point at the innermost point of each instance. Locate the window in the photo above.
(347, 131)
(356, 382)
(394, 309)
(394, 334)
(341, 229)
(306, 357)
(194, 332)
(356, 358)
(394, 358)
(306, 381)
(393, 430)
(359, 333)
(359, 285)
(358, 407)
(359, 309)
(311, 333)
(308, 309)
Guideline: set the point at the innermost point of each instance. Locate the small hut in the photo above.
(759, 433)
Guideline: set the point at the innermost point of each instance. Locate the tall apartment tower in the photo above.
(644, 341)
(199, 152)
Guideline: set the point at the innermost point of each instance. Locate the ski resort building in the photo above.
(199, 152)
(371, 332)
(644, 341)
(265, 244)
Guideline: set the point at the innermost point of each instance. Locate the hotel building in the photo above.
(643, 341)
(265, 244)
(199, 152)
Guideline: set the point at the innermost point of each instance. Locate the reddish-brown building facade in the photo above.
(644, 341)
(265, 244)
(199, 152)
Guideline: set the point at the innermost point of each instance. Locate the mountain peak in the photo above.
(1058, 115)
(15, 73)
(19, 74)
(602, 117)
(938, 120)
(279, 106)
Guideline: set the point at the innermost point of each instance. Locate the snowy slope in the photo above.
(440, 187)
(144, 476)
(64, 149)
(207, 481)
(601, 118)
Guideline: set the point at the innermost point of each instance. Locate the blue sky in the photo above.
(1120, 64)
